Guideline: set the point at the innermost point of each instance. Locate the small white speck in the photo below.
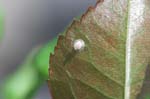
(79, 44)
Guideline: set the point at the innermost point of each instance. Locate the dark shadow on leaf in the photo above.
(70, 56)
(145, 91)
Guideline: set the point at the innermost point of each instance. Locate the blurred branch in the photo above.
(30, 75)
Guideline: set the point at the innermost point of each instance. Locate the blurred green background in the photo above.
(23, 83)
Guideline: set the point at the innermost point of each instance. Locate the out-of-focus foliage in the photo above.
(21, 84)
(24, 82)
(148, 96)
(1, 23)
(41, 59)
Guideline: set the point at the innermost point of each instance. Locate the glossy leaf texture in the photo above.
(112, 65)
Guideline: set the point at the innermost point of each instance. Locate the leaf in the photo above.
(22, 83)
(41, 59)
(30, 74)
(113, 62)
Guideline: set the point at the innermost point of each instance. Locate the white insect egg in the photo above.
(79, 44)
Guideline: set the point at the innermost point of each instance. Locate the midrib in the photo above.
(135, 17)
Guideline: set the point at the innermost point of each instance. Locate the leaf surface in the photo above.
(117, 49)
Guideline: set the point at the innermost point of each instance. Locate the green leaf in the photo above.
(24, 82)
(147, 97)
(41, 59)
(113, 62)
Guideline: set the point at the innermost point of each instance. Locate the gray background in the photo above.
(32, 22)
